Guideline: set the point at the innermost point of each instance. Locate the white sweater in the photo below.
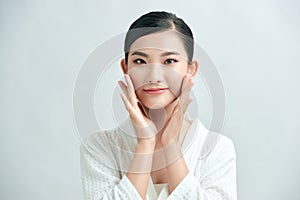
(106, 155)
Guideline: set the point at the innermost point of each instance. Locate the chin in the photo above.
(155, 105)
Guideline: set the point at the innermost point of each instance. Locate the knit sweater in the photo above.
(211, 161)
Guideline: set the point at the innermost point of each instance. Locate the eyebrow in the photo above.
(170, 53)
(163, 54)
(140, 54)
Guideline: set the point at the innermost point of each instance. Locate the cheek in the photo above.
(174, 80)
(138, 76)
(139, 93)
(171, 77)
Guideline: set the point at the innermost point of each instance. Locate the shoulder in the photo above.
(223, 148)
(123, 133)
(100, 141)
(211, 143)
(108, 141)
(99, 150)
(110, 148)
(225, 144)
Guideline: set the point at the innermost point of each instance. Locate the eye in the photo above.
(170, 61)
(139, 61)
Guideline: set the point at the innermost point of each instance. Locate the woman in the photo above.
(163, 160)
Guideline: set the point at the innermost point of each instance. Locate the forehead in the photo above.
(166, 40)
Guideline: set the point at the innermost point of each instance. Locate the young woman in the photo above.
(163, 160)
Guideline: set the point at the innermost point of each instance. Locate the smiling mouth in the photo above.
(155, 90)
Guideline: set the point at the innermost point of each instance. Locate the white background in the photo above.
(255, 45)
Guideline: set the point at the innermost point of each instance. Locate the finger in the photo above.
(126, 102)
(143, 110)
(170, 108)
(174, 121)
(176, 112)
(131, 110)
(176, 109)
(130, 91)
(185, 105)
(186, 89)
(123, 87)
(188, 83)
(185, 100)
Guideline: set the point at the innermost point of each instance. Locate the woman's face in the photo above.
(157, 64)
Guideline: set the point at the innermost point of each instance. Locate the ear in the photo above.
(123, 66)
(193, 68)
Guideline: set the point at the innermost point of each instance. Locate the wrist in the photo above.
(150, 140)
(172, 152)
(146, 145)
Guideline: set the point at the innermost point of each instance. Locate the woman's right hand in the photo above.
(144, 127)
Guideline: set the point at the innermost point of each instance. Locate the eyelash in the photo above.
(137, 61)
(173, 60)
(143, 62)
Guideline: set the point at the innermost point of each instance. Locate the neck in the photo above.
(159, 117)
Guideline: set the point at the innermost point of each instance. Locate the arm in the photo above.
(102, 182)
(177, 170)
(101, 162)
(215, 178)
(140, 168)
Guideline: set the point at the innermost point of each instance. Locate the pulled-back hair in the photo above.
(157, 21)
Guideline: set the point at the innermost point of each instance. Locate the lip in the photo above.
(155, 90)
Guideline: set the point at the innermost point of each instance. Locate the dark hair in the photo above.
(156, 21)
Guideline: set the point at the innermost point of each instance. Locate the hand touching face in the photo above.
(157, 64)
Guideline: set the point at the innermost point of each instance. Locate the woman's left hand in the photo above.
(172, 128)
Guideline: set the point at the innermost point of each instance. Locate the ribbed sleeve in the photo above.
(102, 182)
(217, 180)
(211, 178)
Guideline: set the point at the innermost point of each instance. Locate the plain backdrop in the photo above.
(255, 45)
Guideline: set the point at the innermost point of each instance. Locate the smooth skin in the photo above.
(149, 139)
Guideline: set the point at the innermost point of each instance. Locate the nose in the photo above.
(155, 74)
